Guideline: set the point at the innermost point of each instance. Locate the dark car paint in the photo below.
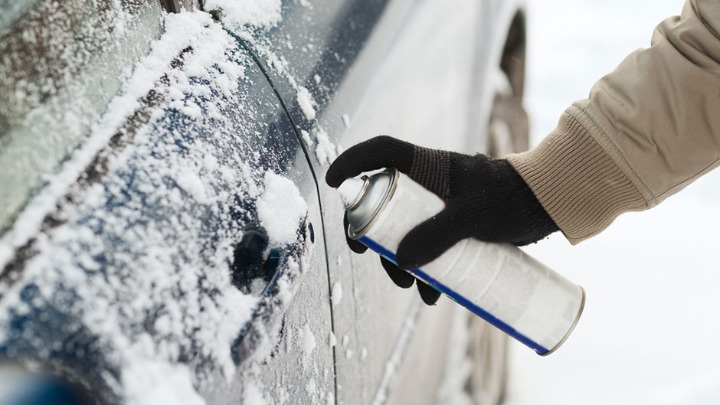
(337, 32)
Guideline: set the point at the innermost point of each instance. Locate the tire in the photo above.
(508, 128)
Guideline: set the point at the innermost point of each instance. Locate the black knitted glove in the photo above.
(485, 199)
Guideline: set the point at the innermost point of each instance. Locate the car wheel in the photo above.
(508, 128)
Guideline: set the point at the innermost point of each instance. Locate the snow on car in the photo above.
(165, 235)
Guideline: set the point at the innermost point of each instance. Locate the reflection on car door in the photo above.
(418, 91)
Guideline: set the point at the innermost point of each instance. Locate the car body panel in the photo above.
(123, 266)
(423, 91)
(411, 93)
(368, 331)
(362, 348)
(394, 76)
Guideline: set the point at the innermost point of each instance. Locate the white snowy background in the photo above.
(650, 333)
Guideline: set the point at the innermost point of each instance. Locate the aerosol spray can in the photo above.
(498, 282)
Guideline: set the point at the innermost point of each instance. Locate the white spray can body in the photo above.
(498, 282)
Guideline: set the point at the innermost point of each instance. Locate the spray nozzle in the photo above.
(353, 190)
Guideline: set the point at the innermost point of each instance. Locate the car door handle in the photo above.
(253, 268)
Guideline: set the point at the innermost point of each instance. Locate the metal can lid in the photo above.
(353, 190)
(381, 187)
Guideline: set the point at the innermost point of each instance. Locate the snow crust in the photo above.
(157, 298)
(346, 120)
(325, 150)
(336, 293)
(253, 395)
(49, 118)
(239, 13)
(151, 383)
(280, 208)
(306, 102)
(307, 341)
(159, 301)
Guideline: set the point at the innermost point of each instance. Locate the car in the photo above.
(166, 235)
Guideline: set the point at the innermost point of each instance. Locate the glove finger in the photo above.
(373, 154)
(429, 240)
(428, 294)
(354, 245)
(400, 277)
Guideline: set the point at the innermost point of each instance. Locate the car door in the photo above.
(309, 56)
(346, 71)
(162, 243)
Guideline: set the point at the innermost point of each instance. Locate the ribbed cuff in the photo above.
(576, 181)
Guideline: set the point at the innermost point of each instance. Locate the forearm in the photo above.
(648, 129)
(580, 186)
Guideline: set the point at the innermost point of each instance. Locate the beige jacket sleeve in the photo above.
(647, 130)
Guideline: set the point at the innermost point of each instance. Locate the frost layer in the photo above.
(132, 287)
(280, 208)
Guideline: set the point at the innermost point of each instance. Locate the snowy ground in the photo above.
(649, 333)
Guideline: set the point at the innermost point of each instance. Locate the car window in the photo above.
(10, 10)
(60, 64)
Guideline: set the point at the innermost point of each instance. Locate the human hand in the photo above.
(485, 199)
